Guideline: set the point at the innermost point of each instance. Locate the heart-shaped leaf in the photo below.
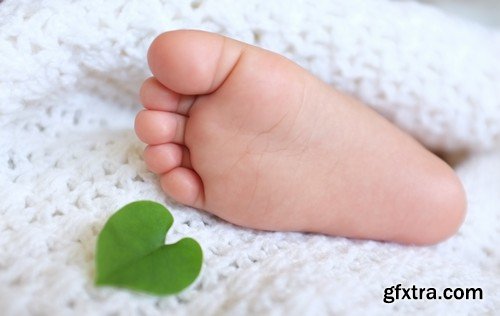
(131, 252)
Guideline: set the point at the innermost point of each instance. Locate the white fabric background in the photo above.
(69, 75)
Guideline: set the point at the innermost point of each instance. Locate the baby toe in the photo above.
(183, 185)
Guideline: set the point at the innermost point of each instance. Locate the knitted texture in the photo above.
(69, 76)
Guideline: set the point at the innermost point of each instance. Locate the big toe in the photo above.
(193, 62)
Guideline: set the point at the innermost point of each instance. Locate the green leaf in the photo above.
(131, 252)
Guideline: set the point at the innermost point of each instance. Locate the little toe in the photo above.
(158, 127)
(165, 157)
(155, 96)
(184, 186)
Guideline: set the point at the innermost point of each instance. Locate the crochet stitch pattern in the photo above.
(69, 78)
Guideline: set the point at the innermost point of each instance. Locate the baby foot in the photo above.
(253, 138)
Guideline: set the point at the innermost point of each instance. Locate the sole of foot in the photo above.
(253, 138)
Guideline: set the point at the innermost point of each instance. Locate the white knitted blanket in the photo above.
(69, 76)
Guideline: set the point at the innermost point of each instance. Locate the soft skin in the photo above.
(253, 138)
